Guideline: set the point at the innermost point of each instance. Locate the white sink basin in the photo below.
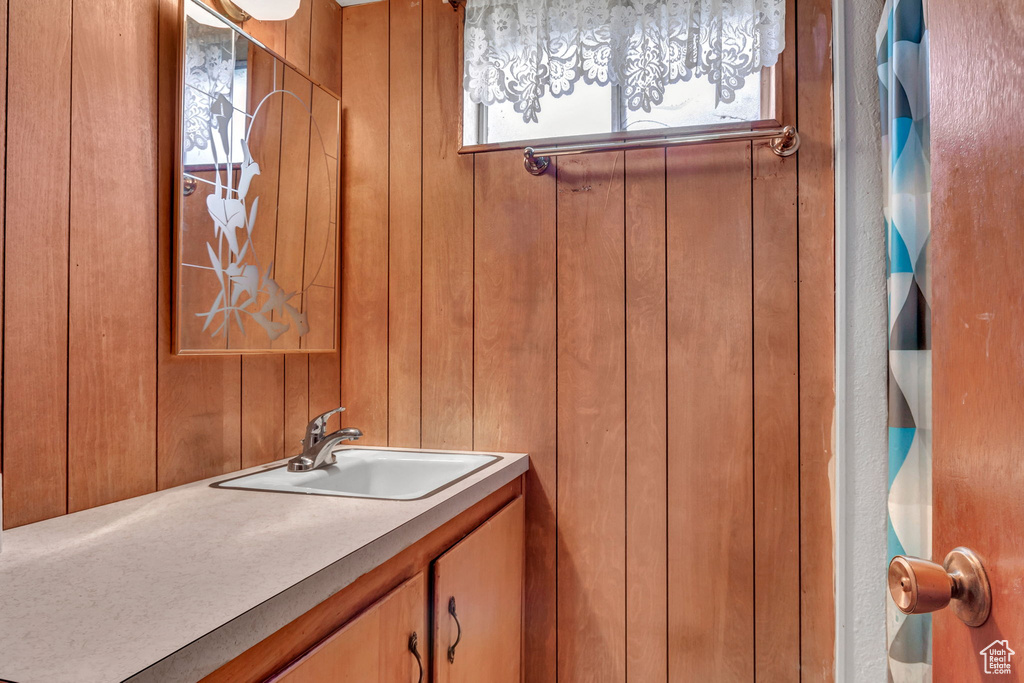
(392, 474)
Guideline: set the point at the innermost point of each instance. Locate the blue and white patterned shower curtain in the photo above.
(902, 42)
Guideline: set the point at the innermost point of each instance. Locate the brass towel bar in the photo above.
(785, 141)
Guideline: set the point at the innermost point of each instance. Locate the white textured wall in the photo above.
(863, 450)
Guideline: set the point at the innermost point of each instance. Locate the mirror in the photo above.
(256, 248)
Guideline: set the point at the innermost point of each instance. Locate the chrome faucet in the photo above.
(318, 447)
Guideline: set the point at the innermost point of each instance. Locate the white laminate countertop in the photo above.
(169, 586)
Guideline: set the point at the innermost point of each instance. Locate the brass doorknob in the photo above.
(918, 586)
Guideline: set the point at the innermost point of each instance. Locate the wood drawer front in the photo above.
(484, 573)
(373, 647)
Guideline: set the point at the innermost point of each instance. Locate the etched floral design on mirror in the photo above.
(256, 240)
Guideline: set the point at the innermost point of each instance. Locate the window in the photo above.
(536, 70)
(599, 109)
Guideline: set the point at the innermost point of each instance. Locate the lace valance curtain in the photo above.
(521, 50)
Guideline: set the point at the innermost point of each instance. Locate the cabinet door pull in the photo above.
(451, 648)
(414, 649)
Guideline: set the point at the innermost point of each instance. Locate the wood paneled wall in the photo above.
(654, 327)
(95, 408)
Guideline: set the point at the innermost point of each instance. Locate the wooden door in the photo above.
(483, 574)
(977, 115)
(375, 647)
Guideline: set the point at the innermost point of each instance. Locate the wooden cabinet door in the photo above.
(374, 647)
(483, 575)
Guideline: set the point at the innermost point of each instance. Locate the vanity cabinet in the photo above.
(478, 603)
(362, 633)
(381, 645)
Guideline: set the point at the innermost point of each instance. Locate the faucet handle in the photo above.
(317, 428)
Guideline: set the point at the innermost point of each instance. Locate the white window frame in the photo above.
(771, 117)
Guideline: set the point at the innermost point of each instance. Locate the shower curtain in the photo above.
(902, 43)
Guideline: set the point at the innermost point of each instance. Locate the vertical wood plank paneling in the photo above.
(711, 628)
(270, 33)
(447, 259)
(515, 356)
(364, 382)
(296, 402)
(263, 410)
(591, 417)
(36, 259)
(325, 44)
(198, 398)
(325, 67)
(776, 400)
(817, 337)
(298, 35)
(113, 253)
(199, 415)
(776, 419)
(325, 386)
(405, 245)
(646, 426)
